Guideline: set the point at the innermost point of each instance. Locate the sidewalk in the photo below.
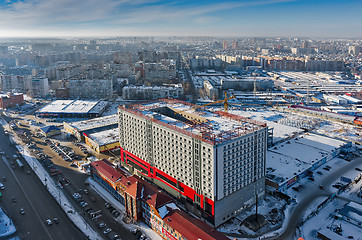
(53, 189)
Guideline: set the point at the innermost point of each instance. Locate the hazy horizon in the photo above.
(116, 18)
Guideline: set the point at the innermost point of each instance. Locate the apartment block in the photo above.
(90, 88)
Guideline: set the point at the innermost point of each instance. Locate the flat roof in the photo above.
(73, 106)
(214, 126)
(95, 123)
(105, 137)
(290, 158)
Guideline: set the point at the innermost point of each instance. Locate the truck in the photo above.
(20, 164)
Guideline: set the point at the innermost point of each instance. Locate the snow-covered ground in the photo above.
(265, 208)
(6, 225)
(325, 222)
(120, 207)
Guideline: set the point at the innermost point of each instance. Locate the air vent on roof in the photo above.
(169, 219)
(129, 183)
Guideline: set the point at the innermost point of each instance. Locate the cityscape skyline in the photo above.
(271, 18)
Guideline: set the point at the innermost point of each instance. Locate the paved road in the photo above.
(313, 194)
(31, 195)
(77, 179)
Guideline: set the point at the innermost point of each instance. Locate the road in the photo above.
(31, 195)
(298, 212)
(77, 179)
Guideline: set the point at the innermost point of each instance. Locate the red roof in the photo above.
(191, 228)
(104, 167)
(141, 189)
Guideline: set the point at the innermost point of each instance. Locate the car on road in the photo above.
(22, 211)
(108, 230)
(311, 179)
(116, 237)
(102, 225)
(358, 169)
(325, 168)
(49, 222)
(319, 172)
(295, 189)
(2, 187)
(55, 220)
(13, 200)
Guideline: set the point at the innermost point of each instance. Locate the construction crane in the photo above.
(225, 101)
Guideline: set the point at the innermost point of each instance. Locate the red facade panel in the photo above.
(146, 169)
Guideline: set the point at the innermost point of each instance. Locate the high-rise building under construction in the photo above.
(213, 161)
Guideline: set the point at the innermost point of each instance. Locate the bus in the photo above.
(20, 164)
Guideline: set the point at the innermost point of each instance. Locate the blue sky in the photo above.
(103, 18)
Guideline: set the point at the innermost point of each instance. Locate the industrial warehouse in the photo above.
(101, 134)
(72, 109)
(214, 162)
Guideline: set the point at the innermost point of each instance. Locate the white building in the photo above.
(212, 161)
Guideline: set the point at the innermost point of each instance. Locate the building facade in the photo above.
(145, 202)
(10, 100)
(90, 88)
(149, 93)
(212, 161)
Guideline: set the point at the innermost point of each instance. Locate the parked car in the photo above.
(55, 220)
(108, 230)
(49, 222)
(102, 225)
(321, 187)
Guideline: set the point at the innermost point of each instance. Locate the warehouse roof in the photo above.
(73, 106)
(95, 123)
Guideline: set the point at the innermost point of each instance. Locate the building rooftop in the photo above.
(290, 158)
(107, 170)
(105, 137)
(73, 106)
(191, 228)
(213, 127)
(95, 123)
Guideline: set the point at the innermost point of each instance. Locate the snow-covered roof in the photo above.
(105, 137)
(73, 106)
(95, 122)
(293, 157)
(217, 124)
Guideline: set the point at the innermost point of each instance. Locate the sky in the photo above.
(242, 18)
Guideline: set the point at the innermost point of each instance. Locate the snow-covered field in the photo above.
(6, 225)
